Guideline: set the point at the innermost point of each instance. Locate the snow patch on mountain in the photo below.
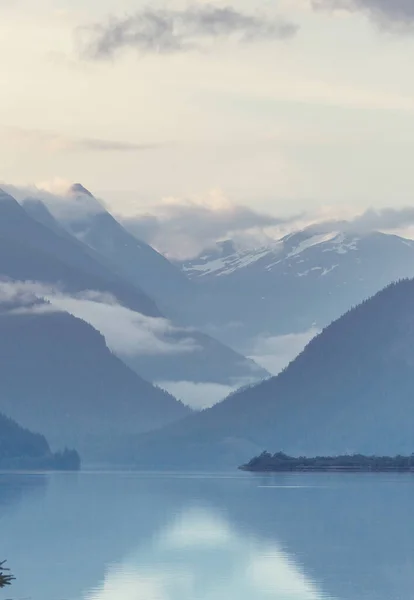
(326, 271)
(311, 241)
(343, 244)
(286, 254)
(224, 265)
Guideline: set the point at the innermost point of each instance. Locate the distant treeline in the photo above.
(356, 462)
(66, 460)
(23, 449)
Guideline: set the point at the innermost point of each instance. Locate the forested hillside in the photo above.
(58, 377)
(351, 390)
(22, 449)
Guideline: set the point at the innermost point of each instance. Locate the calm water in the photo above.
(138, 536)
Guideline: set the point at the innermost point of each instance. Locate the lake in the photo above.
(238, 536)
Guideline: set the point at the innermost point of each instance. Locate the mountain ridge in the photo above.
(349, 391)
(305, 280)
(74, 390)
(88, 224)
(23, 449)
(63, 261)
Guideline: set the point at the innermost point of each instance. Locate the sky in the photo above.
(282, 106)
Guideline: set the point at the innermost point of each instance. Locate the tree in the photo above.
(5, 576)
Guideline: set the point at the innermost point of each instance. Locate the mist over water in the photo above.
(136, 536)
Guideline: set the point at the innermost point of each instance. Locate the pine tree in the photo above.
(5, 576)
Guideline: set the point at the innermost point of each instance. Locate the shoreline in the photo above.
(327, 470)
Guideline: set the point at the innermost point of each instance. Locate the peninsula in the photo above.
(281, 462)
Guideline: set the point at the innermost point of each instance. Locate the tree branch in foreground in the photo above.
(5, 576)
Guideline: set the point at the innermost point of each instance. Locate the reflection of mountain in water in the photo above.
(247, 537)
(352, 533)
(200, 556)
(82, 524)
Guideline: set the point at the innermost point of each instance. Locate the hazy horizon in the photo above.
(294, 106)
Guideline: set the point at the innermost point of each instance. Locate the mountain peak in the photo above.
(9, 205)
(78, 188)
(5, 197)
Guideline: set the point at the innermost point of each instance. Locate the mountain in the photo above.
(31, 251)
(307, 279)
(87, 236)
(22, 449)
(135, 260)
(209, 362)
(59, 378)
(350, 391)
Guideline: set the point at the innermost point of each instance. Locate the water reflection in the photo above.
(165, 537)
(16, 487)
(199, 556)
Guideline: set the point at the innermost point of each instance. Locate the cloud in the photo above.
(182, 228)
(56, 186)
(59, 143)
(399, 221)
(274, 353)
(23, 298)
(389, 14)
(21, 293)
(168, 31)
(42, 308)
(371, 220)
(385, 219)
(126, 332)
(65, 205)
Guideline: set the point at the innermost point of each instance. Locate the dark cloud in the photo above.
(167, 31)
(182, 230)
(390, 14)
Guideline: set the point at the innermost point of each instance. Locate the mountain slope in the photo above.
(305, 280)
(209, 362)
(351, 390)
(59, 378)
(93, 229)
(30, 250)
(22, 449)
(135, 260)
(17, 442)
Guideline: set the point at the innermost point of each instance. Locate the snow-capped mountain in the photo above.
(306, 279)
(86, 230)
(226, 259)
